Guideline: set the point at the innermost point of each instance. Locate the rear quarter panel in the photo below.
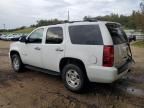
(90, 55)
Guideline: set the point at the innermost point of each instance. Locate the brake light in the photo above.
(108, 56)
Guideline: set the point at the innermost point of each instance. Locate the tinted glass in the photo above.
(85, 35)
(54, 35)
(36, 36)
(117, 33)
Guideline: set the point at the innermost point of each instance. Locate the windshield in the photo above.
(117, 33)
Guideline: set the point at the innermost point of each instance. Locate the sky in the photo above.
(17, 13)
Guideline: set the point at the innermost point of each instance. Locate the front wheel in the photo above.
(73, 78)
(16, 63)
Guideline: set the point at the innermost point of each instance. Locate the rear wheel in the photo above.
(16, 63)
(73, 77)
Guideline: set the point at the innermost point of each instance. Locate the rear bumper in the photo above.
(124, 67)
(106, 74)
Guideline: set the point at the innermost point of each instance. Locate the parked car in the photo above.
(3, 37)
(78, 51)
(8, 37)
(13, 37)
(16, 37)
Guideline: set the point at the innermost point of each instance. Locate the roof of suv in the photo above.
(83, 23)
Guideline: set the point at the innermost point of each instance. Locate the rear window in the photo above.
(117, 33)
(85, 35)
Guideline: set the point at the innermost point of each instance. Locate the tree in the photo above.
(126, 21)
(48, 22)
(142, 6)
(142, 15)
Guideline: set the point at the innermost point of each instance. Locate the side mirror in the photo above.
(23, 39)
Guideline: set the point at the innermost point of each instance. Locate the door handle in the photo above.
(37, 48)
(59, 49)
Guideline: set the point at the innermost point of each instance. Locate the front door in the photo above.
(33, 48)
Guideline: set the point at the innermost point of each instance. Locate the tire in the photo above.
(74, 78)
(17, 64)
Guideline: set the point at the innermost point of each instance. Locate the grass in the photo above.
(26, 30)
(139, 44)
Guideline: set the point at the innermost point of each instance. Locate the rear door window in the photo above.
(85, 35)
(117, 33)
(54, 35)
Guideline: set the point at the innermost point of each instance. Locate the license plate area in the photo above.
(125, 66)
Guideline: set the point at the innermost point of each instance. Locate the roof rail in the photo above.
(72, 21)
(88, 20)
(91, 20)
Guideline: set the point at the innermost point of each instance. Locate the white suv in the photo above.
(78, 51)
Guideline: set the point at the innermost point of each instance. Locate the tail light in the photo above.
(108, 56)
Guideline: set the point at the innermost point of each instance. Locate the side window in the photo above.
(85, 35)
(36, 36)
(54, 35)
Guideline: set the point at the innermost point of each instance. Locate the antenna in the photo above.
(4, 26)
(68, 16)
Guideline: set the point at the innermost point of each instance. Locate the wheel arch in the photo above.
(68, 60)
(14, 52)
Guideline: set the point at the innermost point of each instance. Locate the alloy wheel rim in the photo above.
(16, 63)
(73, 78)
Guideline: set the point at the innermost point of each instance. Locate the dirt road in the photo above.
(32, 89)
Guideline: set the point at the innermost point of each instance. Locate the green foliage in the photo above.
(142, 6)
(139, 20)
(133, 21)
(126, 21)
(139, 44)
(47, 22)
(12, 30)
(26, 30)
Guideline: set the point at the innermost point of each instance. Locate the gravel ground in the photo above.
(32, 89)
